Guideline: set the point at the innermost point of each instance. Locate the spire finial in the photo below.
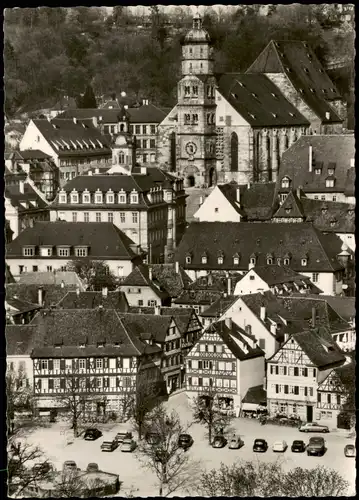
(197, 21)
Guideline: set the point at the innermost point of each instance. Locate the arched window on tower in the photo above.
(234, 152)
(121, 157)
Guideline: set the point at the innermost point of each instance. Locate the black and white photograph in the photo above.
(179, 211)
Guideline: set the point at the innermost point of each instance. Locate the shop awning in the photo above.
(249, 407)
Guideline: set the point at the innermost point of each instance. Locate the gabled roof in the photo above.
(320, 348)
(116, 182)
(52, 294)
(30, 197)
(332, 216)
(291, 207)
(182, 316)
(60, 132)
(172, 282)
(273, 274)
(92, 234)
(9, 278)
(71, 327)
(51, 278)
(21, 306)
(336, 150)
(103, 115)
(155, 324)
(258, 100)
(140, 276)
(300, 64)
(148, 113)
(343, 306)
(247, 239)
(34, 154)
(219, 307)
(19, 339)
(91, 300)
(255, 395)
(236, 340)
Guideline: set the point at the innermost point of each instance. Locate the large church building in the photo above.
(236, 126)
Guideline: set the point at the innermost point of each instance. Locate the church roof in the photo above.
(258, 100)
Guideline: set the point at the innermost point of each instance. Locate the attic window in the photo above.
(220, 259)
(291, 114)
(254, 95)
(241, 84)
(329, 183)
(306, 70)
(286, 262)
(188, 259)
(320, 70)
(100, 344)
(350, 211)
(251, 115)
(82, 345)
(317, 171)
(288, 210)
(312, 90)
(274, 95)
(324, 210)
(63, 198)
(333, 222)
(269, 260)
(236, 260)
(288, 69)
(304, 262)
(274, 115)
(309, 56)
(301, 91)
(234, 95)
(204, 259)
(305, 45)
(285, 182)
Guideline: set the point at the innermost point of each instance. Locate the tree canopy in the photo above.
(53, 52)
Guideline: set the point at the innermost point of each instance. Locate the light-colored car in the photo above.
(70, 466)
(235, 443)
(279, 446)
(313, 427)
(128, 445)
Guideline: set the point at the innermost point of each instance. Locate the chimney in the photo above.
(228, 322)
(263, 313)
(75, 120)
(229, 286)
(177, 267)
(22, 187)
(40, 296)
(62, 284)
(314, 316)
(104, 291)
(157, 310)
(150, 273)
(310, 158)
(94, 121)
(238, 195)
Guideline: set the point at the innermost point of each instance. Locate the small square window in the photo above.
(216, 210)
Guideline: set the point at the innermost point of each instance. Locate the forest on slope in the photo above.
(53, 52)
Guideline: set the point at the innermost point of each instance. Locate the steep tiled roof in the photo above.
(252, 239)
(52, 294)
(140, 276)
(328, 151)
(255, 395)
(156, 325)
(19, 339)
(71, 327)
(297, 60)
(91, 300)
(148, 113)
(171, 281)
(51, 278)
(273, 274)
(258, 100)
(181, 315)
(29, 197)
(103, 115)
(116, 182)
(236, 340)
(320, 348)
(230, 192)
(9, 278)
(219, 307)
(91, 234)
(20, 305)
(343, 306)
(259, 201)
(34, 154)
(291, 207)
(330, 216)
(62, 132)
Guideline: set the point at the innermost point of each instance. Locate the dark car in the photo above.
(298, 446)
(92, 467)
(42, 468)
(122, 435)
(152, 437)
(92, 434)
(109, 445)
(219, 441)
(260, 445)
(185, 441)
(316, 446)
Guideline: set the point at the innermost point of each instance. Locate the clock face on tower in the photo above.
(191, 148)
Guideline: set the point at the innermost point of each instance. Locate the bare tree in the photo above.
(248, 479)
(147, 394)
(207, 411)
(164, 456)
(21, 475)
(19, 397)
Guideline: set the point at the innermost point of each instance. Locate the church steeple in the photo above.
(197, 21)
(197, 54)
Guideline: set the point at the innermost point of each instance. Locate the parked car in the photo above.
(70, 466)
(129, 445)
(279, 446)
(235, 443)
(109, 445)
(260, 445)
(92, 467)
(42, 468)
(316, 446)
(313, 427)
(219, 441)
(349, 450)
(152, 437)
(122, 435)
(298, 446)
(185, 441)
(92, 434)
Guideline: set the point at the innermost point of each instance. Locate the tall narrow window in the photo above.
(234, 152)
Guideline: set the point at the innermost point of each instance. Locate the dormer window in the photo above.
(236, 259)
(269, 261)
(110, 198)
(329, 183)
(86, 198)
(122, 197)
(188, 259)
(252, 260)
(285, 183)
(333, 222)
(63, 197)
(74, 197)
(204, 259)
(29, 251)
(63, 251)
(304, 262)
(134, 197)
(98, 197)
(220, 259)
(317, 171)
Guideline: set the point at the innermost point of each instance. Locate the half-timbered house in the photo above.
(331, 397)
(296, 370)
(226, 359)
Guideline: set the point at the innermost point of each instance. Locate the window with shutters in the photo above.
(314, 372)
(200, 381)
(82, 364)
(277, 389)
(284, 370)
(99, 363)
(338, 399)
(44, 364)
(305, 372)
(305, 391)
(277, 370)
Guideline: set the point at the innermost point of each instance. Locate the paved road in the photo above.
(53, 442)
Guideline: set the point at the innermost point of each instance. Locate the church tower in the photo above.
(196, 104)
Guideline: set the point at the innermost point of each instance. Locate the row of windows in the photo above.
(83, 383)
(60, 251)
(295, 371)
(157, 235)
(174, 344)
(145, 158)
(286, 182)
(211, 365)
(191, 119)
(99, 218)
(173, 360)
(98, 197)
(329, 399)
(292, 389)
(150, 303)
(209, 382)
(49, 269)
(144, 129)
(252, 261)
(145, 143)
(82, 363)
(82, 161)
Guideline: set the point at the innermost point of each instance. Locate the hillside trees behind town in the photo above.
(55, 52)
